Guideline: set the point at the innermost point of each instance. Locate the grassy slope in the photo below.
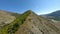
(13, 27)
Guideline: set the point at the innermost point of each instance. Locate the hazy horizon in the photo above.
(38, 6)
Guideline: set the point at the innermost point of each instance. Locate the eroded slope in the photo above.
(37, 25)
(5, 18)
(30, 23)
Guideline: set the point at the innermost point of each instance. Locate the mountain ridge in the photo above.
(14, 25)
(36, 25)
(30, 23)
(33, 21)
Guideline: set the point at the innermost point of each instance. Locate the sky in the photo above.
(38, 6)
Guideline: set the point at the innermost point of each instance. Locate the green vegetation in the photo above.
(13, 27)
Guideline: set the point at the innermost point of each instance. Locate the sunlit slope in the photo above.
(37, 25)
(5, 18)
(13, 27)
(30, 23)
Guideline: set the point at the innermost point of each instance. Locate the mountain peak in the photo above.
(30, 11)
(30, 23)
(34, 24)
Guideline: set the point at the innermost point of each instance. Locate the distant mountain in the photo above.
(54, 15)
(14, 14)
(31, 23)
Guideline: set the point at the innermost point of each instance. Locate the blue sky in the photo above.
(38, 6)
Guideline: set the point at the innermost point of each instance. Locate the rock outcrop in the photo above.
(37, 25)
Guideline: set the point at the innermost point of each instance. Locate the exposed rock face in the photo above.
(37, 25)
(5, 18)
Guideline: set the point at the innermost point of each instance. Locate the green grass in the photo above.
(13, 27)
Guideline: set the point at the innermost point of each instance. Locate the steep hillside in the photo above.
(30, 23)
(5, 18)
(13, 27)
(37, 25)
